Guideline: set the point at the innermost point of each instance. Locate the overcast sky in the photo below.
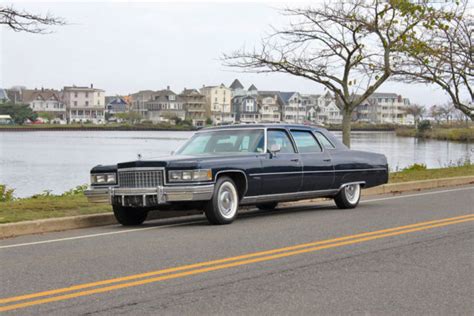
(123, 47)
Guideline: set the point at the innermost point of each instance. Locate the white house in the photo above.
(84, 104)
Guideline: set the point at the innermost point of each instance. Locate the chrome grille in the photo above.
(140, 178)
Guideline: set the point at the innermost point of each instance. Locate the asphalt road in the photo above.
(405, 254)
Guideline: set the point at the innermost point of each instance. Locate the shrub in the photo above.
(6, 194)
(415, 167)
(424, 126)
(76, 191)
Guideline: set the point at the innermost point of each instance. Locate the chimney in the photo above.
(167, 87)
(92, 86)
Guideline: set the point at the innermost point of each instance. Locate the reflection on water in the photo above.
(32, 162)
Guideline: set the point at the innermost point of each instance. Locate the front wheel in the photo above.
(129, 216)
(348, 197)
(222, 208)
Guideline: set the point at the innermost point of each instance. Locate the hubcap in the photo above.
(352, 193)
(227, 200)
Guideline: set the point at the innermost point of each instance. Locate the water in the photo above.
(32, 162)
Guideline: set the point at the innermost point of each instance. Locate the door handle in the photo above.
(295, 159)
(329, 159)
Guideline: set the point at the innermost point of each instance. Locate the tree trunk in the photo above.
(346, 127)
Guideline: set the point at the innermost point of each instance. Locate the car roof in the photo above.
(267, 125)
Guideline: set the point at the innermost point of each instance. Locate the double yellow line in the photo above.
(16, 302)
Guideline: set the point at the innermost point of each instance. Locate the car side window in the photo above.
(324, 141)
(305, 142)
(282, 139)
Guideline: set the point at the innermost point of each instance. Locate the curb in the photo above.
(83, 221)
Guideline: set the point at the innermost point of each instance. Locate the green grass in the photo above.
(421, 173)
(42, 207)
(75, 203)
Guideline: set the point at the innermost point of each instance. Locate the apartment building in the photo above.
(271, 105)
(293, 110)
(84, 104)
(219, 101)
(388, 108)
(194, 104)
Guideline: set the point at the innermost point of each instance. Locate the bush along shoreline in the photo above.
(426, 131)
(74, 202)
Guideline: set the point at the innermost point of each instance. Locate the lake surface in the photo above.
(32, 162)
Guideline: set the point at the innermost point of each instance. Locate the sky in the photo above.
(124, 47)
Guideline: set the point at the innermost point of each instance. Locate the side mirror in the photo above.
(274, 148)
(172, 153)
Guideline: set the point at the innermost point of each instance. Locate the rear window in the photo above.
(306, 142)
(323, 140)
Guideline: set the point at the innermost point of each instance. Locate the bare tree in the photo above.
(22, 21)
(444, 55)
(417, 111)
(346, 46)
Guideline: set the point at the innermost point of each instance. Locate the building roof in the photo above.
(115, 101)
(76, 88)
(286, 96)
(29, 95)
(236, 85)
(253, 88)
(384, 95)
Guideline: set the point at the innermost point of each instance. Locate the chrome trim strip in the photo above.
(301, 195)
(321, 171)
(362, 183)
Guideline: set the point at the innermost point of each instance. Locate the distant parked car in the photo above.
(221, 168)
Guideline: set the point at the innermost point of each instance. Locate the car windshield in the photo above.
(224, 142)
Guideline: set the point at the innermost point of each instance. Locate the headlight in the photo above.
(190, 175)
(103, 178)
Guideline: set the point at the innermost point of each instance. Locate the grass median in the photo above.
(74, 202)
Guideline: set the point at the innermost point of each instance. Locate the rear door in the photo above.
(282, 172)
(318, 170)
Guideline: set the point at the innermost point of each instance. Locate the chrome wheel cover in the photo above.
(352, 192)
(227, 200)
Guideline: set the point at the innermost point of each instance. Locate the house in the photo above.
(84, 104)
(115, 105)
(219, 102)
(293, 110)
(194, 104)
(47, 101)
(164, 106)
(271, 105)
(138, 100)
(246, 109)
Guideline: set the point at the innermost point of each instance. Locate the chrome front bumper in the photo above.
(159, 195)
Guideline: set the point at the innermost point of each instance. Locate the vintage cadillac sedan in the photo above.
(219, 169)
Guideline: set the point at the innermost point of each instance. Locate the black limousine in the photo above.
(220, 168)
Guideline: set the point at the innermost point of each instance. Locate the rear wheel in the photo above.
(348, 197)
(129, 216)
(222, 208)
(267, 206)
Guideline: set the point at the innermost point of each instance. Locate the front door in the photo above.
(282, 171)
(318, 170)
